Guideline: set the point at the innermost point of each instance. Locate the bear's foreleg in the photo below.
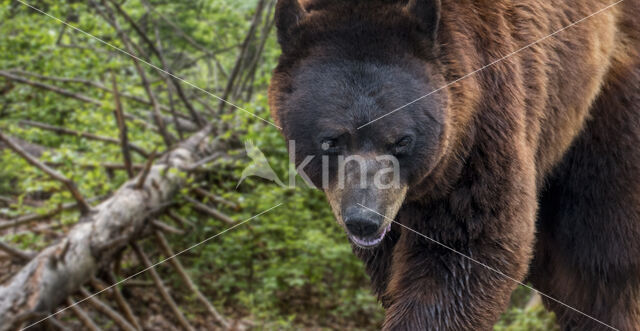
(458, 259)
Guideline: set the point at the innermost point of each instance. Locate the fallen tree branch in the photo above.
(145, 171)
(24, 219)
(102, 307)
(161, 288)
(201, 207)
(166, 227)
(60, 270)
(179, 219)
(87, 135)
(82, 316)
(20, 254)
(107, 165)
(52, 88)
(122, 128)
(85, 82)
(204, 193)
(71, 186)
(175, 262)
(122, 302)
(30, 218)
(31, 148)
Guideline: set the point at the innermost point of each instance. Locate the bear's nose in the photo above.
(361, 227)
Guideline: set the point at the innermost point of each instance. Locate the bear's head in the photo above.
(354, 89)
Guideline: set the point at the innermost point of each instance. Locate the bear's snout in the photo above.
(365, 228)
(361, 222)
(361, 227)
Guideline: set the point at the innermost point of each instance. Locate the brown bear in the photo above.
(515, 126)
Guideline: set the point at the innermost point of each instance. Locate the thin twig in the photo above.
(167, 251)
(170, 87)
(241, 57)
(166, 227)
(194, 114)
(32, 217)
(127, 43)
(179, 219)
(52, 88)
(145, 171)
(102, 307)
(87, 135)
(253, 65)
(216, 198)
(122, 302)
(24, 219)
(161, 288)
(23, 256)
(82, 316)
(204, 161)
(84, 207)
(53, 322)
(106, 165)
(201, 207)
(122, 127)
(87, 82)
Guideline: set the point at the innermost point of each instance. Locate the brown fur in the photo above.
(550, 134)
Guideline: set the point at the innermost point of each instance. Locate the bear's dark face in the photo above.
(338, 108)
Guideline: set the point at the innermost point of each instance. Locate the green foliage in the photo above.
(534, 319)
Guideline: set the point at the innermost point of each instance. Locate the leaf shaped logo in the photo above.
(259, 166)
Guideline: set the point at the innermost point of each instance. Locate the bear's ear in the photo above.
(288, 14)
(427, 14)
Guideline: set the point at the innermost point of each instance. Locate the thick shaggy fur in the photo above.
(540, 165)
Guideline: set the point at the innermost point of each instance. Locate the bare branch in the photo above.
(122, 127)
(167, 251)
(166, 227)
(87, 135)
(122, 302)
(241, 57)
(204, 161)
(253, 65)
(30, 218)
(135, 27)
(201, 207)
(161, 288)
(23, 256)
(215, 198)
(106, 165)
(82, 316)
(179, 30)
(52, 88)
(179, 219)
(71, 186)
(127, 43)
(91, 83)
(170, 86)
(183, 122)
(31, 148)
(62, 268)
(102, 307)
(48, 215)
(145, 172)
(57, 324)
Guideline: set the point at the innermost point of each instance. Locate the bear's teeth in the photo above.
(371, 242)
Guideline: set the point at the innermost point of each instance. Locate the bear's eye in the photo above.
(403, 145)
(329, 145)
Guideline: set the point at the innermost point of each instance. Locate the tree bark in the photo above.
(61, 269)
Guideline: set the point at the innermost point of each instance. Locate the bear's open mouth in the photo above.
(370, 242)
